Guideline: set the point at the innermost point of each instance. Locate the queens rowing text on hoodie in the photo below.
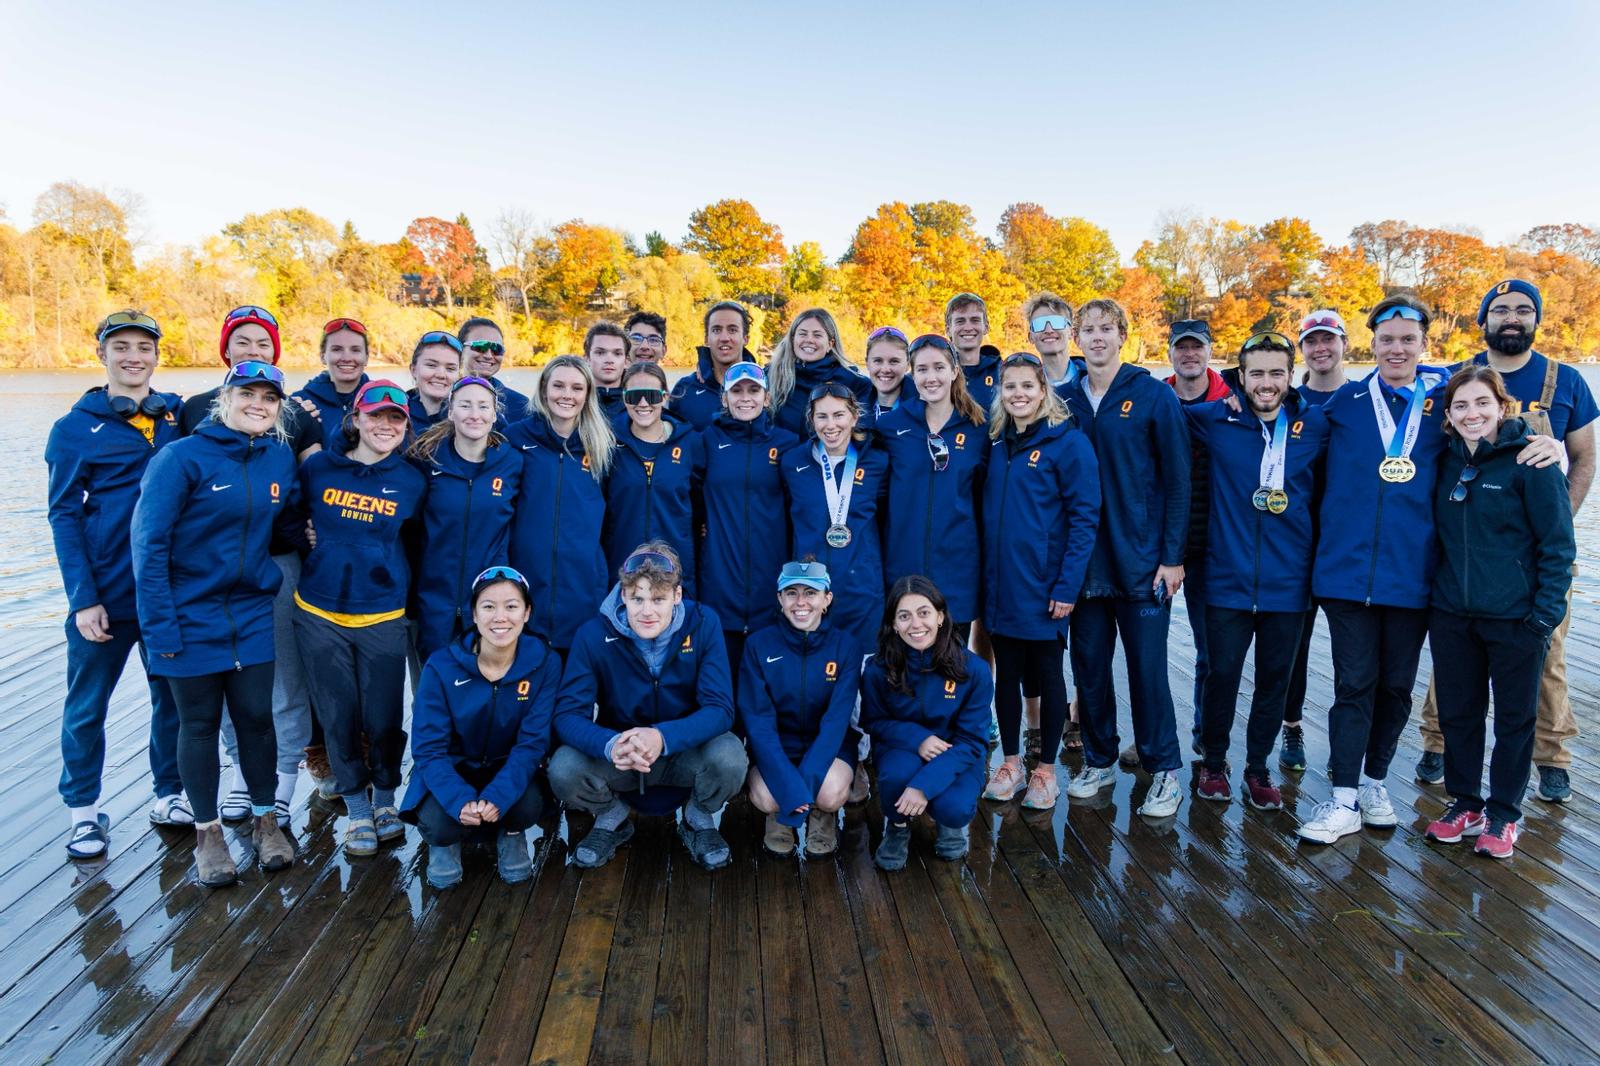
(358, 574)
(201, 533)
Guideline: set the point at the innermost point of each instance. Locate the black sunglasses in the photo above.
(1469, 474)
(649, 396)
(929, 340)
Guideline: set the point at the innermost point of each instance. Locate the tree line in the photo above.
(546, 284)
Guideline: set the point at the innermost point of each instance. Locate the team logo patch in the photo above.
(861, 475)
(772, 456)
(586, 462)
(1295, 429)
(949, 690)
(1427, 406)
(1033, 457)
(522, 689)
(274, 490)
(677, 453)
(1502, 288)
(649, 467)
(831, 671)
(961, 440)
(1127, 405)
(988, 379)
(688, 645)
(496, 485)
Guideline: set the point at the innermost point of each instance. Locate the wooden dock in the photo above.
(1086, 936)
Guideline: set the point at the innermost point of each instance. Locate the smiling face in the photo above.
(745, 401)
(435, 369)
(1475, 412)
(803, 606)
(725, 337)
(1051, 341)
(933, 374)
(608, 358)
(1510, 323)
(833, 421)
(499, 613)
(648, 344)
(565, 391)
(1189, 358)
(811, 341)
(130, 357)
(1266, 380)
(249, 341)
(344, 353)
(472, 412)
(1323, 351)
(917, 622)
(968, 326)
(484, 364)
(887, 366)
(645, 400)
(1100, 338)
(1022, 393)
(381, 431)
(251, 409)
(1397, 344)
(650, 607)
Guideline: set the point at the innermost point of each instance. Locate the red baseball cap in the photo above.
(381, 394)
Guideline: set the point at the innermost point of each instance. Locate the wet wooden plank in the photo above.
(737, 1033)
(849, 1030)
(788, 992)
(678, 1031)
(566, 1027)
(622, 1022)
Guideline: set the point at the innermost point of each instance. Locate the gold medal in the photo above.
(1397, 469)
(1277, 501)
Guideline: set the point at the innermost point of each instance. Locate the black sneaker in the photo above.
(1292, 754)
(1430, 768)
(1554, 785)
(894, 848)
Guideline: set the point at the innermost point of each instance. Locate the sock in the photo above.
(257, 810)
(1367, 782)
(286, 783)
(84, 814)
(382, 797)
(1345, 797)
(359, 805)
(207, 825)
(612, 817)
(697, 817)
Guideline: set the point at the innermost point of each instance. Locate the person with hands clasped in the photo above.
(480, 727)
(798, 687)
(925, 703)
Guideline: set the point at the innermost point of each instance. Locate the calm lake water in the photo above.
(31, 401)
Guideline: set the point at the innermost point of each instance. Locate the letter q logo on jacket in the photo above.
(688, 645)
(275, 491)
(496, 485)
(1127, 405)
(831, 671)
(772, 456)
(1033, 457)
(522, 689)
(949, 690)
(677, 454)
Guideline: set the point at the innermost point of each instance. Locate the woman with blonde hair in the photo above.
(810, 355)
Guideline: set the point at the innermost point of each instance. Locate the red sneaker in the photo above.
(1260, 792)
(1457, 822)
(1213, 785)
(1498, 839)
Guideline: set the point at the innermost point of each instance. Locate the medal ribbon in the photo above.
(838, 498)
(1398, 446)
(1274, 454)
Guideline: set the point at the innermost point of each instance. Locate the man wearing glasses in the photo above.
(966, 323)
(1554, 399)
(483, 345)
(647, 337)
(97, 454)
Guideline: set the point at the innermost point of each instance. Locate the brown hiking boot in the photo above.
(321, 771)
(822, 833)
(778, 839)
(213, 863)
(860, 787)
(273, 850)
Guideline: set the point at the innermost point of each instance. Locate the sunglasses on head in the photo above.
(1022, 359)
(639, 560)
(457, 385)
(250, 371)
(381, 393)
(1321, 322)
(251, 311)
(831, 389)
(122, 319)
(1411, 314)
(501, 573)
(493, 347)
(437, 336)
(1268, 340)
(630, 397)
(344, 323)
(929, 340)
(1044, 322)
(887, 331)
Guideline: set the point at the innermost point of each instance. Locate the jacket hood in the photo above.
(448, 460)
(615, 612)
(541, 432)
(703, 364)
(464, 652)
(803, 641)
(232, 442)
(356, 468)
(321, 388)
(624, 431)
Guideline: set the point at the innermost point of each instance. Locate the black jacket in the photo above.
(1506, 551)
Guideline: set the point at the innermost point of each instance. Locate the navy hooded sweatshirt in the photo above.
(697, 397)
(476, 739)
(332, 405)
(955, 711)
(96, 459)
(650, 495)
(807, 376)
(690, 701)
(796, 694)
(201, 533)
(744, 536)
(1142, 446)
(555, 535)
(1041, 511)
(1256, 560)
(931, 521)
(983, 377)
(465, 528)
(421, 420)
(514, 405)
(359, 564)
(857, 568)
(1375, 540)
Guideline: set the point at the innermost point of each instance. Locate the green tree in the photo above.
(290, 248)
(805, 270)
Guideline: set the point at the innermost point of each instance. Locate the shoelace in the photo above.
(1497, 827)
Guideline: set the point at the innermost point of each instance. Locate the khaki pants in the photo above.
(1555, 726)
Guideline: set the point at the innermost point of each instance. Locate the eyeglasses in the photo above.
(376, 394)
(831, 389)
(887, 331)
(1459, 493)
(639, 560)
(124, 320)
(440, 337)
(250, 371)
(344, 323)
(1398, 311)
(470, 380)
(1524, 311)
(1019, 358)
(493, 347)
(501, 573)
(251, 311)
(652, 397)
(1268, 340)
(929, 340)
(1044, 322)
(645, 340)
(939, 451)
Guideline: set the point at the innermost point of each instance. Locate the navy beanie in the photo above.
(1527, 288)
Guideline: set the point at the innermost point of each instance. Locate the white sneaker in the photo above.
(171, 810)
(1329, 822)
(1376, 810)
(1164, 796)
(1090, 781)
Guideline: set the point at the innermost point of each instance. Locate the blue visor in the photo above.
(744, 372)
(811, 575)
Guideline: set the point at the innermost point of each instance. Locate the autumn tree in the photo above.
(91, 221)
(1568, 238)
(1068, 256)
(805, 270)
(582, 264)
(1389, 246)
(448, 254)
(516, 239)
(678, 289)
(744, 249)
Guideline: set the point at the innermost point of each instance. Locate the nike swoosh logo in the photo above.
(388, 492)
(612, 640)
(773, 658)
(219, 488)
(901, 432)
(463, 681)
(436, 473)
(722, 446)
(98, 428)
(799, 470)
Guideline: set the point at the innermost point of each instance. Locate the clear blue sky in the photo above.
(632, 115)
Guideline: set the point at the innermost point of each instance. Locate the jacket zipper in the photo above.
(744, 604)
(1005, 494)
(461, 570)
(555, 540)
(244, 540)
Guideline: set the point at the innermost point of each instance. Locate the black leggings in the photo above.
(248, 695)
(1021, 665)
(442, 829)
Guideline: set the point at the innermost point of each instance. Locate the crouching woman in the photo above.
(480, 727)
